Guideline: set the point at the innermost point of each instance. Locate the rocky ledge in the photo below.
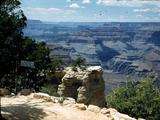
(40, 106)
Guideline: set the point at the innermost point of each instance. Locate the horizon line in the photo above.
(96, 21)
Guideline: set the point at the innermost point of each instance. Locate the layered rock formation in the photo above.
(120, 47)
(125, 48)
(85, 85)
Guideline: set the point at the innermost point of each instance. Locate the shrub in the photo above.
(50, 89)
(142, 100)
(78, 62)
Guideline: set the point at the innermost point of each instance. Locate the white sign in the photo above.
(28, 64)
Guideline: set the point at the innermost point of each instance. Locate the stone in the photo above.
(25, 92)
(69, 101)
(104, 111)
(13, 94)
(80, 106)
(56, 101)
(43, 96)
(118, 116)
(94, 108)
(141, 119)
(85, 86)
(4, 91)
(111, 111)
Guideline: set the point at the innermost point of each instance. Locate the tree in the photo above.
(36, 52)
(79, 62)
(142, 100)
(12, 21)
(55, 64)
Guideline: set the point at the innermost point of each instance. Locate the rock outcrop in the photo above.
(34, 107)
(85, 85)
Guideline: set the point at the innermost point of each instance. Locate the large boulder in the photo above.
(85, 85)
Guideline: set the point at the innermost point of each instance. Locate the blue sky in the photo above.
(92, 10)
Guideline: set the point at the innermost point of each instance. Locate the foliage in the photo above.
(50, 89)
(26, 77)
(12, 21)
(14, 47)
(36, 52)
(142, 100)
(79, 62)
(55, 64)
(31, 78)
(28, 80)
(7, 81)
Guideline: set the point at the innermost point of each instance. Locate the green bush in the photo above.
(141, 100)
(50, 89)
(79, 62)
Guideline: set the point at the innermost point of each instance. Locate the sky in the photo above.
(92, 10)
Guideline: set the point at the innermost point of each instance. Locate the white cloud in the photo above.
(130, 3)
(49, 14)
(86, 1)
(52, 11)
(141, 10)
(147, 19)
(74, 5)
(154, 10)
(151, 19)
(68, 0)
(122, 18)
(139, 16)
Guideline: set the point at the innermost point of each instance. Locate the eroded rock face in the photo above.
(86, 86)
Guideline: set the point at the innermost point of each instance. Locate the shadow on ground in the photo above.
(22, 112)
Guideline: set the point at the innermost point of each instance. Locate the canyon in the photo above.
(130, 49)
